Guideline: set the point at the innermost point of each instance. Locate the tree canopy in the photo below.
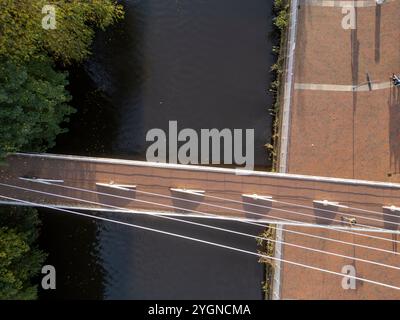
(20, 259)
(32, 105)
(33, 95)
(22, 36)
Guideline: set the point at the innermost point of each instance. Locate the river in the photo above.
(203, 63)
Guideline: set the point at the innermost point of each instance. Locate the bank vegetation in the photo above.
(266, 248)
(34, 107)
(280, 33)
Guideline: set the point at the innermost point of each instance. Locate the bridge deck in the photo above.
(223, 190)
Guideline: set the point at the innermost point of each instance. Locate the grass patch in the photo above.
(281, 23)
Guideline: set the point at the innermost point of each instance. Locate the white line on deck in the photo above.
(343, 88)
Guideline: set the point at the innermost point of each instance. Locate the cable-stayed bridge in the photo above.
(322, 224)
(328, 223)
(87, 183)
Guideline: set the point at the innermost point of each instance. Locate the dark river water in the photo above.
(203, 63)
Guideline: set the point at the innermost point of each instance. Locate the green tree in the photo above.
(20, 259)
(33, 108)
(32, 105)
(77, 20)
(32, 94)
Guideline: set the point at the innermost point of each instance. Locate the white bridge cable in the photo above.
(348, 207)
(234, 232)
(205, 242)
(43, 181)
(253, 223)
(375, 212)
(279, 209)
(216, 228)
(231, 231)
(313, 208)
(233, 209)
(247, 222)
(269, 207)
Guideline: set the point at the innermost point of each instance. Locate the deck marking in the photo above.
(343, 88)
